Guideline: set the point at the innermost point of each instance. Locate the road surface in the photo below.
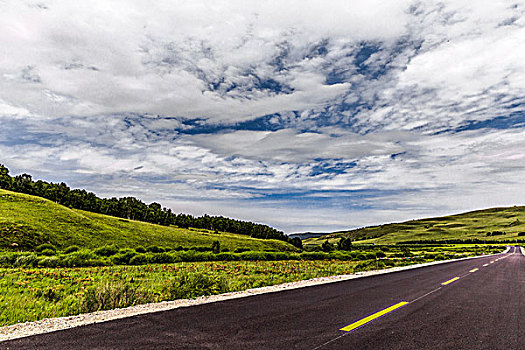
(469, 304)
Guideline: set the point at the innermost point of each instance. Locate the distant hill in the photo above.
(493, 224)
(27, 221)
(306, 235)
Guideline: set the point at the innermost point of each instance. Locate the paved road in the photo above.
(482, 309)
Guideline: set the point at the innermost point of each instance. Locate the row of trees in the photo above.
(133, 208)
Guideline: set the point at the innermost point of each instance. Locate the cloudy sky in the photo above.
(305, 115)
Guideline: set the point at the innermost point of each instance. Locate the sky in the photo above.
(304, 115)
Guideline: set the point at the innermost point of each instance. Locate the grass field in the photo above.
(28, 294)
(471, 225)
(28, 221)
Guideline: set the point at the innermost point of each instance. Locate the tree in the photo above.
(297, 242)
(216, 247)
(5, 180)
(327, 246)
(344, 244)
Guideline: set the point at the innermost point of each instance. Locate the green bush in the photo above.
(50, 261)
(107, 250)
(194, 284)
(8, 260)
(26, 260)
(83, 258)
(71, 249)
(45, 246)
(112, 296)
(155, 249)
(48, 252)
(140, 259)
(140, 249)
(123, 256)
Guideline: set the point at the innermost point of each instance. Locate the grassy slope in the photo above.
(469, 225)
(30, 221)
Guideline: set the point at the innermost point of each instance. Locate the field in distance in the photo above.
(495, 224)
(28, 221)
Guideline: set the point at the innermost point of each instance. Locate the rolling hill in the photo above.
(28, 221)
(495, 224)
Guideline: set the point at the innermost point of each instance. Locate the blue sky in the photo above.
(295, 114)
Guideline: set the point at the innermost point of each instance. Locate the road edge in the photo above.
(48, 325)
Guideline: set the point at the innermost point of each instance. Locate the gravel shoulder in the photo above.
(60, 323)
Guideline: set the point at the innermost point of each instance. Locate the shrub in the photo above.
(155, 249)
(123, 256)
(50, 261)
(82, 258)
(360, 256)
(107, 250)
(26, 260)
(140, 259)
(241, 250)
(163, 258)
(71, 249)
(45, 246)
(48, 252)
(327, 246)
(8, 259)
(111, 296)
(140, 249)
(380, 255)
(216, 247)
(194, 284)
(370, 256)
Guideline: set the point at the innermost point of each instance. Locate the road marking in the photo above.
(486, 265)
(372, 317)
(492, 262)
(450, 281)
(474, 270)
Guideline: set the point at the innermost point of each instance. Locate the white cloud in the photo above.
(359, 90)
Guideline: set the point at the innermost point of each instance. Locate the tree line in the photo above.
(134, 209)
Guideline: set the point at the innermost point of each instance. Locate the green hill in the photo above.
(28, 221)
(495, 224)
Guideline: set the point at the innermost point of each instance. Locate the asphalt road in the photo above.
(481, 309)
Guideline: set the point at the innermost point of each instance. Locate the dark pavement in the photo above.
(483, 309)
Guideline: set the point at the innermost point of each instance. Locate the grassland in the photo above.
(465, 226)
(29, 294)
(28, 221)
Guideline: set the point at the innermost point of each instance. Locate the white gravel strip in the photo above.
(522, 250)
(55, 324)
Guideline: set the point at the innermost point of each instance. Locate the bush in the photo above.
(7, 260)
(140, 259)
(123, 256)
(380, 255)
(45, 246)
(370, 256)
(26, 260)
(48, 252)
(155, 249)
(241, 250)
(327, 246)
(216, 247)
(163, 258)
(112, 296)
(107, 250)
(140, 249)
(83, 258)
(50, 261)
(194, 284)
(71, 249)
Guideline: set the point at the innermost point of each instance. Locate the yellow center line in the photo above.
(486, 265)
(474, 270)
(450, 281)
(372, 317)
